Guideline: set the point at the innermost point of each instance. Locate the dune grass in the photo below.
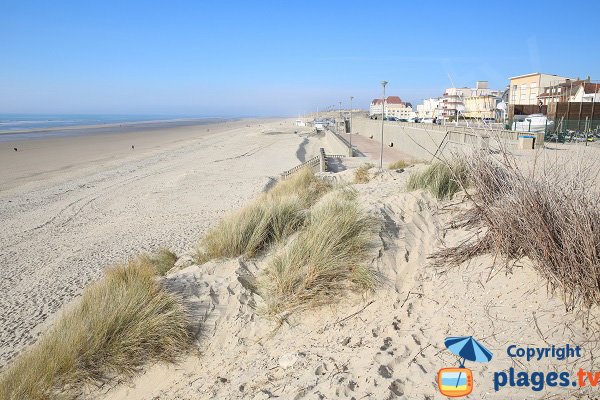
(551, 218)
(269, 219)
(162, 261)
(121, 322)
(400, 164)
(324, 260)
(442, 179)
(361, 174)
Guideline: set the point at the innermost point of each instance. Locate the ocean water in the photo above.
(14, 127)
(18, 122)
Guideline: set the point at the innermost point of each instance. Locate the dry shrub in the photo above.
(121, 322)
(324, 260)
(553, 219)
(162, 261)
(442, 178)
(400, 164)
(361, 175)
(269, 219)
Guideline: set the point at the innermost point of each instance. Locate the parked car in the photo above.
(427, 120)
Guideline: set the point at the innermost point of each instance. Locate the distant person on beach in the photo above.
(132, 147)
(15, 149)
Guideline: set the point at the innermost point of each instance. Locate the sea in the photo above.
(33, 126)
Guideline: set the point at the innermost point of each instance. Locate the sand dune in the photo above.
(385, 345)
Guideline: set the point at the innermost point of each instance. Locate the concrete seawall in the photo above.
(336, 145)
(422, 141)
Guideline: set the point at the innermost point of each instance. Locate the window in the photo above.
(533, 85)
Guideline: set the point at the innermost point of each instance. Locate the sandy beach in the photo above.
(72, 206)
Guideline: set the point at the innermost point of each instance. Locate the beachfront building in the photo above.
(452, 102)
(394, 107)
(429, 109)
(525, 89)
(482, 103)
(571, 91)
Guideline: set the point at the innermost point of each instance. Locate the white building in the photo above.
(394, 107)
(478, 102)
(429, 109)
(452, 102)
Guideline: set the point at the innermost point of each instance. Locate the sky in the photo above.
(240, 58)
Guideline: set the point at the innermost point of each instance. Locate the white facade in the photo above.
(429, 109)
(394, 107)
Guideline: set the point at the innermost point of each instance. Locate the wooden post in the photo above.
(579, 118)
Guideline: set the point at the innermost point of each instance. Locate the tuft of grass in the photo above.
(162, 261)
(552, 218)
(269, 219)
(400, 164)
(441, 179)
(361, 175)
(121, 322)
(324, 260)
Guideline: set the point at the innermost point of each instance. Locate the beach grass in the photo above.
(161, 261)
(267, 220)
(551, 218)
(324, 261)
(400, 164)
(122, 322)
(361, 174)
(441, 178)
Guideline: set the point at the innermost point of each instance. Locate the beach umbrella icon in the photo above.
(467, 348)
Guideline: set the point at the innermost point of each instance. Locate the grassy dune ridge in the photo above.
(551, 217)
(441, 178)
(267, 220)
(326, 258)
(121, 322)
(317, 235)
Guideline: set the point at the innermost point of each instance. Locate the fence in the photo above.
(575, 116)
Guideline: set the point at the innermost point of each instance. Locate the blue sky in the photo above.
(276, 57)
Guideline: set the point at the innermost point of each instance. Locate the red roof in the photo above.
(394, 100)
(591, 88)
(389, 100)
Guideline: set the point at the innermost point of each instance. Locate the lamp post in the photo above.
(383, 83)
(340, 109)
(351, 149)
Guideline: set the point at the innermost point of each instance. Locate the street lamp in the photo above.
(383, 83)
(340, 109)
(351, 149)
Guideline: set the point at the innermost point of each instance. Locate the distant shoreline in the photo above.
(107, 128)
(113, 125)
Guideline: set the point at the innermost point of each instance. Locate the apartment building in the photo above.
(394, 107)
(571, 91)
(482, 102)
(429, 109)
(525, 89)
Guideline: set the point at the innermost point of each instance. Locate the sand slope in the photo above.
(386, 345)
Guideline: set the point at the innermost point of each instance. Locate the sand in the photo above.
(385, 345)
(72, 206)
(388, 344)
